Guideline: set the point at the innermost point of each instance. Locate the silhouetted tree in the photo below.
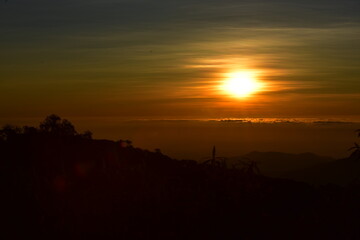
(8, 132)
(125, 143)
(216, 161)
(355, 149)
(51, 123)
(252, 167)
(128, 143)
(54, 125)
(213, 157)
(247, 165)
(87, 134)
(30, 130)
(67, 128)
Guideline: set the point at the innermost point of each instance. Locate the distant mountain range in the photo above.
(342, 172)
(278, 163)
(307, 167)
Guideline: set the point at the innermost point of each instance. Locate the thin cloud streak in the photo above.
(171, 51)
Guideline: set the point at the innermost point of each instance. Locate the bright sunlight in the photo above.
(241, 84)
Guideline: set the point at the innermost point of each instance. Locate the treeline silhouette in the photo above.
(58, 183)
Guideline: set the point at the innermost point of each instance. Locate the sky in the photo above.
(167, 58)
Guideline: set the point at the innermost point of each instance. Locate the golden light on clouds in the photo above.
(241, 84)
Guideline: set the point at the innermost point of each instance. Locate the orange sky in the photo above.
(158, 59)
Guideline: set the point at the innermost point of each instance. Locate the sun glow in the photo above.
(241, 84)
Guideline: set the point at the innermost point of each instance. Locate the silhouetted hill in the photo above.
(278, 164)
(61, 184)
(343, 172)
(306, 167)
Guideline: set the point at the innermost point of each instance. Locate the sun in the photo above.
(240, 84)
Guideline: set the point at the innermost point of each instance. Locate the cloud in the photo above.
(143, 49)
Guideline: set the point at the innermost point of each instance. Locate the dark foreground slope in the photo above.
(70, 187)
